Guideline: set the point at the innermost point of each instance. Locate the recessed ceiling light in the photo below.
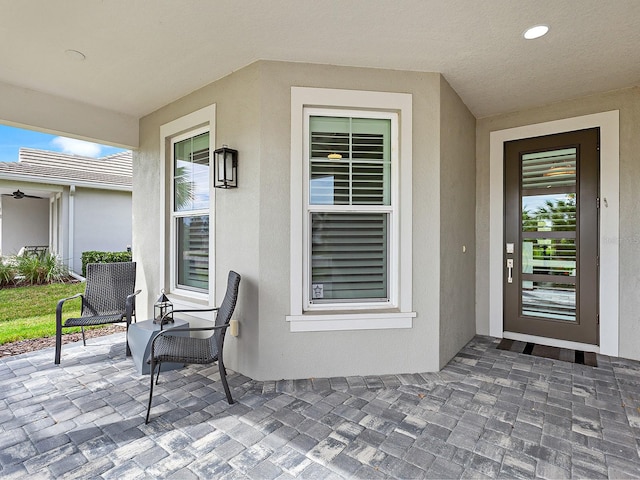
(75, 55)
(536, 32)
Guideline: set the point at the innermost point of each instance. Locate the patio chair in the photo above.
(191, 350)
(108, 297)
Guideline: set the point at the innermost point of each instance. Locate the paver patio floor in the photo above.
(488, 413)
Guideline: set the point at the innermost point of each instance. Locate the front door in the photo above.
(551, 236)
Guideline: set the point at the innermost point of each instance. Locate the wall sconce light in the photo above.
(225, 167)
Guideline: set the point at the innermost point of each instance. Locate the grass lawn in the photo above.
(30, 312)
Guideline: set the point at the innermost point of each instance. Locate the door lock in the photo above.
(509, 270)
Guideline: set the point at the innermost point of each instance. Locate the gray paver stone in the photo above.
(67, 464)
(551, 472)
(444, 469)
(344, 465)
(290, 461)
(265, 471)
(485, 465)
(419, 458)
(91, 469)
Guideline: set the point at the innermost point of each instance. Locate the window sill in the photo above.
(187, 303)
(335, 321)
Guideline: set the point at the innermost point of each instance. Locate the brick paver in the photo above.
(488, 414)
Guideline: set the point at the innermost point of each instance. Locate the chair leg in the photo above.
(158, 376)
(58, 343)
(153, 367)
(84, 340)
(128, 350)
(223, 377)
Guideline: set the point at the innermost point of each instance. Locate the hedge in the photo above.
(103, 257)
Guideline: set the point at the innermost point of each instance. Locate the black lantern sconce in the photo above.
(225, 167)
(161, 308)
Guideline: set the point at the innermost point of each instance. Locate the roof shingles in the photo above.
(59, 168)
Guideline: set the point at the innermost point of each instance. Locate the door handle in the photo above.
(509, 270)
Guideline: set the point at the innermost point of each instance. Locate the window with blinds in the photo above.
(193, 252)
(349, 208)
(350, 161)
(349, 256)
(191, 173)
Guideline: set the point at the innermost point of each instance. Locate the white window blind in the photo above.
(349, 256)
(193, 251)
(349, 209)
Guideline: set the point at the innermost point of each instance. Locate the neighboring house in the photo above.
(390, 204)
(68, 203)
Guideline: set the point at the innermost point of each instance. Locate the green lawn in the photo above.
(30, 312)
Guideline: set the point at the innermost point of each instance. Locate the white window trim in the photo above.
(609, 225)
(365, 316)
(194, 123)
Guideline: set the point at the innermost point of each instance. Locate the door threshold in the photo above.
(551, 342)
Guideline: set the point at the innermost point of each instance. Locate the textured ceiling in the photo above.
(142, 54)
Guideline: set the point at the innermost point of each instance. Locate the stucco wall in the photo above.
(627, 101)
(236, 213)
(24, 222)
(457, 223)
(102, 221)
(253, 224)
(299, 355)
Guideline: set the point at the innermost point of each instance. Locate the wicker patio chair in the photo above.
(109, 297)
(191, 350)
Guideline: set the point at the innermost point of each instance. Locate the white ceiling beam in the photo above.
(24, 108)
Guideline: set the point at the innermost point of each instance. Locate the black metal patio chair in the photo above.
(109, 297)
(191, 350)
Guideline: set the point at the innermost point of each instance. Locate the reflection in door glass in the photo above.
(549, 300)
(549, 256)
(549, 213)
(556, 168)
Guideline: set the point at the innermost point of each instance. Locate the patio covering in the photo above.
(488, 413)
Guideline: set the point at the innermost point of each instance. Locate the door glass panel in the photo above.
(549, 300)
(548, 201)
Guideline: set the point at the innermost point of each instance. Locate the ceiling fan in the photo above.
(18, 195)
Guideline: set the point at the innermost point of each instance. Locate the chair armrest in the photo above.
(208, 309)
(130, 305)
(132, 296)
(61, 303)
(194, 329)
(189, 310)
(185, 329)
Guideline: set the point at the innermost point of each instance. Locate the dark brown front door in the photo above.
(551, 236)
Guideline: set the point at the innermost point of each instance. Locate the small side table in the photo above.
(140, 336)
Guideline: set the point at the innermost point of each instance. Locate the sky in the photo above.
(11, 139)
